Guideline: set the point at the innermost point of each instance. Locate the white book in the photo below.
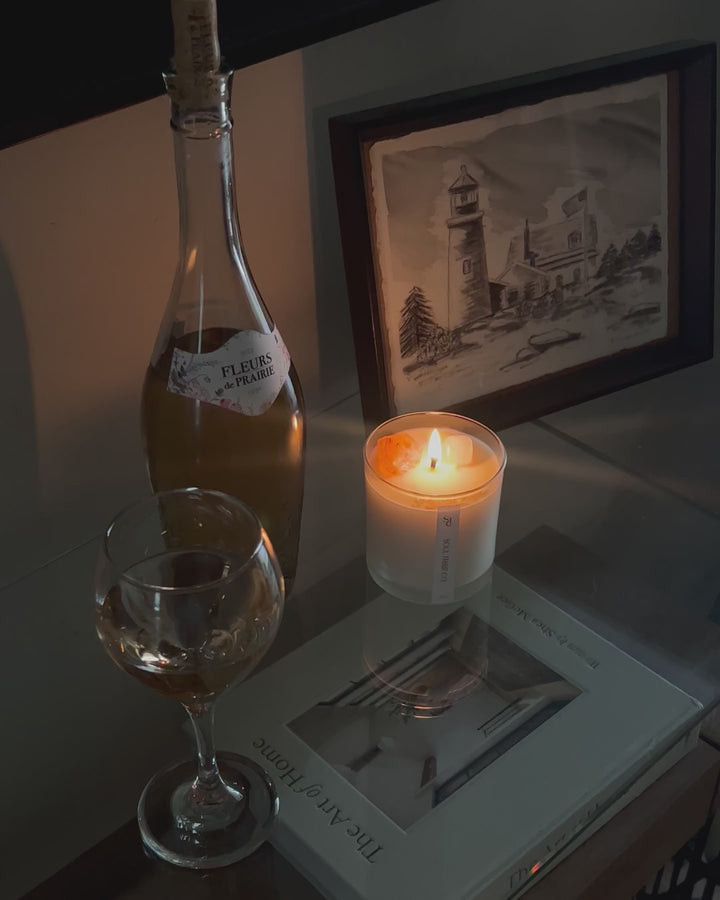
(450, 752)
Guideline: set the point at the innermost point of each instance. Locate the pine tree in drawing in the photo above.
(416, 322)
(654, 241)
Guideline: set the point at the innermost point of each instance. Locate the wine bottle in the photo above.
(222, 406)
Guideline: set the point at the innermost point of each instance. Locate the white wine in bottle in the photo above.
(222, 406)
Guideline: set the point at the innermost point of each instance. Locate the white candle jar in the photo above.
(431, 524)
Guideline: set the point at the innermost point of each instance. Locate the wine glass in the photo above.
(188, 598)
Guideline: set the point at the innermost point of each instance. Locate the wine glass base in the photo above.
(212, 849)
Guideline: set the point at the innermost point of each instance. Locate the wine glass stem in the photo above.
(208, 778)
(208, 803)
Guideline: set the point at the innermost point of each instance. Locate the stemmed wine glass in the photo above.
(188, 598)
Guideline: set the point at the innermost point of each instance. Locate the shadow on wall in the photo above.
(19, 483)
(52, 503)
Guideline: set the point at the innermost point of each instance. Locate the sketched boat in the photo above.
(526, 353)
(642, 309)
(550, 338)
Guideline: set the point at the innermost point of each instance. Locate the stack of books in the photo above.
(453, 751)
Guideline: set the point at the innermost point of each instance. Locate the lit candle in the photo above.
(433, 483)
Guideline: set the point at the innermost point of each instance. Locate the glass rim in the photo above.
(502, 461)
(177, 492)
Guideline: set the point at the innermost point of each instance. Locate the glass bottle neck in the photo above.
(206, 196)
(213, 284)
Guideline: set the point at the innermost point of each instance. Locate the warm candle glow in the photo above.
(432, 484)
(434, 451)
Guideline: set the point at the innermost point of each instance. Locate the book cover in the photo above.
(435, 751)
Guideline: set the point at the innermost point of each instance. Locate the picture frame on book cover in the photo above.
(515, 248)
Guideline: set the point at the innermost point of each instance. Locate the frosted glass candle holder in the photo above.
(432, 508)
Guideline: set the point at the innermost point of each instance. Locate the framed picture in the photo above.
(519, 247)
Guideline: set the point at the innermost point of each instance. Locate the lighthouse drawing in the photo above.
(468, 292)
(495, 266)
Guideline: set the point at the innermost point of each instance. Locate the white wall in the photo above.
(87, 249)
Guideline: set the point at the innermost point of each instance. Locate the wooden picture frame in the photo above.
(519, 247)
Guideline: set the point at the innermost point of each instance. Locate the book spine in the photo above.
(587, 820)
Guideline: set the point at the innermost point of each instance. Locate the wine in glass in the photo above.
(188, 598)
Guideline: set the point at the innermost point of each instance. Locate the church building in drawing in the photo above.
(558, 257)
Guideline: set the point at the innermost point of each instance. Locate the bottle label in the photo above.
(245, 375)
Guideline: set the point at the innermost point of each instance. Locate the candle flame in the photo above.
(434, 448)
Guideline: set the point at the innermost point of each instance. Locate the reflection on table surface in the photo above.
(626, 542)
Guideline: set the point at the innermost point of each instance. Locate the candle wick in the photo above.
(433, 463)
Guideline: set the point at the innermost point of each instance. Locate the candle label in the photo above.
(447, 530)
(246, 374)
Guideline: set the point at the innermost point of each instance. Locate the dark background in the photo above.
(69, 60)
